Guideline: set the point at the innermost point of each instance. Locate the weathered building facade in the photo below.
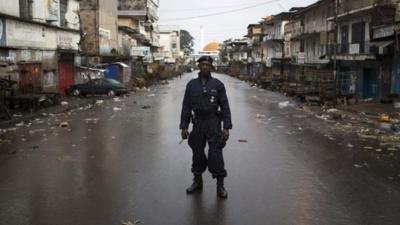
(332, 49)
(39, 42)
(235, 54)
(138, 19)
(362, 65)
(99, 25)
(308, 36)
(255, 66)
(170, 44)
(273, 47)
(141, 16)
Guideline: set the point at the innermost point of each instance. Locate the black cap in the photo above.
(205, 58)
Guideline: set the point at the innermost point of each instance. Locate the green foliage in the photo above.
(187, 42)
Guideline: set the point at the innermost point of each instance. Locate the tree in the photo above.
(187, 42)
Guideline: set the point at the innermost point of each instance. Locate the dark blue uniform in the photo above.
(210, 106)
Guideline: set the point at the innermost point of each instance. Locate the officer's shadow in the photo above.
(207, 214)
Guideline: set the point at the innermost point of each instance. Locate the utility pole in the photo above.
(335, 45)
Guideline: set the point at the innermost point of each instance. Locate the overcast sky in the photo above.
(223, 24)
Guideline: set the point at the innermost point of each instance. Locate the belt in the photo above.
(205, 116)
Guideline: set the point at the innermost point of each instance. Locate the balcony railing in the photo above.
(347, 6)
(273, 37)
(353, 49)
(132, 13)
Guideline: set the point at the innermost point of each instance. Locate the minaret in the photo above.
(201, 38)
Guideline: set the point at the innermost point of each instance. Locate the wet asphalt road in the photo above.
(118, 162)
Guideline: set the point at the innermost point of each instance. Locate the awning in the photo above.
(92, 69)
(382, 44)
(121, 64)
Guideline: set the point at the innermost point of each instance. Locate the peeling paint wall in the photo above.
(22, 34)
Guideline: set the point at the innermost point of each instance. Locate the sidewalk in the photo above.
(374, 122)
(68, 103)
(372, 108)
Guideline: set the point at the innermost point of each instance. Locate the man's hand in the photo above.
(185, 134)
(225, 135)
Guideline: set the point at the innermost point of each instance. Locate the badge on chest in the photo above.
(212, 99)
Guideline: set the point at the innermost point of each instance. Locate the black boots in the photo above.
(196, 186)
(221, 192)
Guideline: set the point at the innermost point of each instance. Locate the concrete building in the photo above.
(39, 42)
(308, 37)
(273, 29)
(362, 65)
(170, 44)
(234, 55)
(141, 17)
(255, 66)
(138, 23)
(99, 25)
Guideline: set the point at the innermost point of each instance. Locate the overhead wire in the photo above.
(211, 8)
(221, 13)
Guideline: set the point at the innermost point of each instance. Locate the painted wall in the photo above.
(22, 34)
(170, 36)
(68, 40)
(39, 11)
(9, 9)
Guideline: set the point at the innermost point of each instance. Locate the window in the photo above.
(4, 53)
(174, 46)
(25, 8)
(63, 12)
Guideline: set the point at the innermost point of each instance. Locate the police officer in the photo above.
(206, 97)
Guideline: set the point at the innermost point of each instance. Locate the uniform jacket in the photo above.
(205, 100)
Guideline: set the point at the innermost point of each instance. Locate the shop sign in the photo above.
(386, 31)
(142, 51)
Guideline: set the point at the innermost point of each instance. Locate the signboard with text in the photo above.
(386, 31)
(143, 51)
